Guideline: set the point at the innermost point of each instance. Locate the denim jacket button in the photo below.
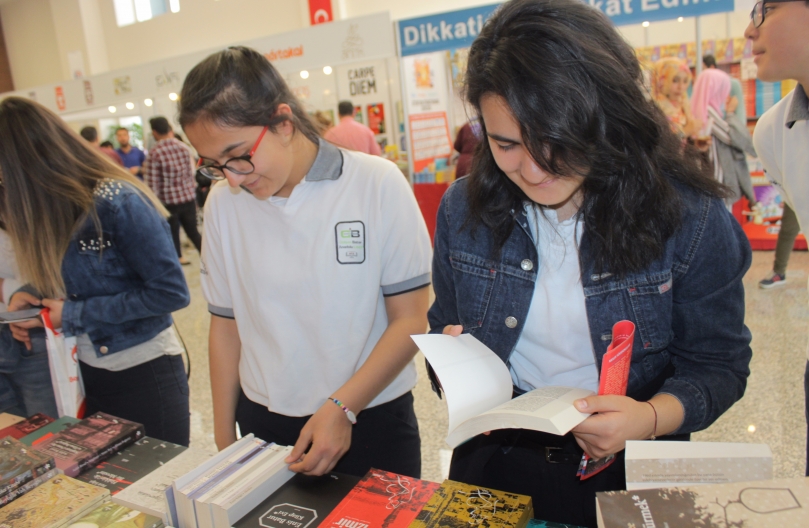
(511, 322)
(527, 265)
(103, 350)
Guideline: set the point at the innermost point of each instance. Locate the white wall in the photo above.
(200, 24)
(30, 34)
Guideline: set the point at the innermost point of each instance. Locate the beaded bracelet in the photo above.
(654, 431)
(351, 417)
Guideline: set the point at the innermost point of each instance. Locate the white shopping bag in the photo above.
(65, 375)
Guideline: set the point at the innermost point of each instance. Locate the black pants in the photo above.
(540, 465)
(185, 214)
(154, 394)
(786, 240)
(385, 437)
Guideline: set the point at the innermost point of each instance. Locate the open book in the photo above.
(478, 390)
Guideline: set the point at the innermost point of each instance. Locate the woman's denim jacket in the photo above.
(688, 306)
(123, 285)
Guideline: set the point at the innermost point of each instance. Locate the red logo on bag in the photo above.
(73, 354)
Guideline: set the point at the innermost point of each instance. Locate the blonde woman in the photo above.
(93, 244)
(672, 78)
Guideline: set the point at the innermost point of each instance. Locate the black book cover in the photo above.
(302, 501)
(131, 464)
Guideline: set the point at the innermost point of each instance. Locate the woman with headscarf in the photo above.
(672, 77)
(730, 139)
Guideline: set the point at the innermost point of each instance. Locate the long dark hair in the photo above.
(575, 88)
(239, 87)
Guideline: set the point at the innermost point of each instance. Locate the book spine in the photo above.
(104, 453)
(16, 483)
(25, 488)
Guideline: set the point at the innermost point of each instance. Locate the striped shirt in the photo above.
(169, 172)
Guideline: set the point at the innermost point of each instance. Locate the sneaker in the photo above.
(773, 280)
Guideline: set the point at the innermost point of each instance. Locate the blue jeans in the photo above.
(25, 378)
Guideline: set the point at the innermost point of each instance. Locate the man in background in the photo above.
(350, 134)
(132, 156)
(781, 51)
(169, 172)
(90, 134)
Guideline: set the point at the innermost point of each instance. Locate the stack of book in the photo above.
(228, 486)
(44, 433)
(110, 515)
(56, 503)
(21, 469)
(82, 445)
(26, 427)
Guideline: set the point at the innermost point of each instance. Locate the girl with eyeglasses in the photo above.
(93, 244)
(315, 266)
(581, 210)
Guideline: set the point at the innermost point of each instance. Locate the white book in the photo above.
(149, 493)
(188, 483)
(668, 464)
(478, 390)
(237, 501)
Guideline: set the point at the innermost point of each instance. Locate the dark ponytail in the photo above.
(239, 87)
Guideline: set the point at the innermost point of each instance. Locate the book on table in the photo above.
(478, 390)
(47, 431)
(777, 503)
(152, 493)
(253, 478)
(27, 426)
(19, 465)
(7, 419)
(537, 523)
(303, 502)
(459, 504)
(111, 515)
(94, 439)
(28, 486)
(381, 499)
(54, 504)
(131, 464)
(663, 464)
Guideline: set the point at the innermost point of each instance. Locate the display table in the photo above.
(764, 236)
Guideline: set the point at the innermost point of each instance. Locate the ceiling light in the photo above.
(173, 96)
(147, 102)
(304, 74)
(130, 106)
(645, 24)
(112, 109)
(327, 70)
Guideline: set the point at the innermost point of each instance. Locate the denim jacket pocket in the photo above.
(651, 299)
(474, 282)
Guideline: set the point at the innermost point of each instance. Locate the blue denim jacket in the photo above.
(121, 288)
(688, 306)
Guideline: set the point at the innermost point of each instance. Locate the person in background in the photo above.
(323, 122)
(25, 380)
(351, 134)
(465, 143)
(93, 246)
(730, 139)
(169, 171)
(132, 156)
(670, 84)
(582, 210)
(316, 271)
(777, 31)
(90, 134)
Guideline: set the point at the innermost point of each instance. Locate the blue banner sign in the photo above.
(456, 29)
(623, 12)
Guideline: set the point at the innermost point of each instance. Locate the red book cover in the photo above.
(381, 500)
(26, 427)
(613, 380)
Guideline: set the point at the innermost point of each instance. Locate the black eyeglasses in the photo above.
(241, 165)
(758, 12)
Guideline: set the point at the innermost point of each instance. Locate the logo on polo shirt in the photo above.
(350, 242)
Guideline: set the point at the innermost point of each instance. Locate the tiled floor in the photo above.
(771, 412)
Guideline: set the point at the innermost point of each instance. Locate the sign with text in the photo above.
(456, 29)
(624, 12)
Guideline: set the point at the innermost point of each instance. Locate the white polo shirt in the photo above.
(306, 277)
(781, 139)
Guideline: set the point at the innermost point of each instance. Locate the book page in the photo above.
(474, 378)
(533, 402)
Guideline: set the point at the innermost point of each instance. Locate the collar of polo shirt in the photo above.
(328, 164)
(799, 109)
